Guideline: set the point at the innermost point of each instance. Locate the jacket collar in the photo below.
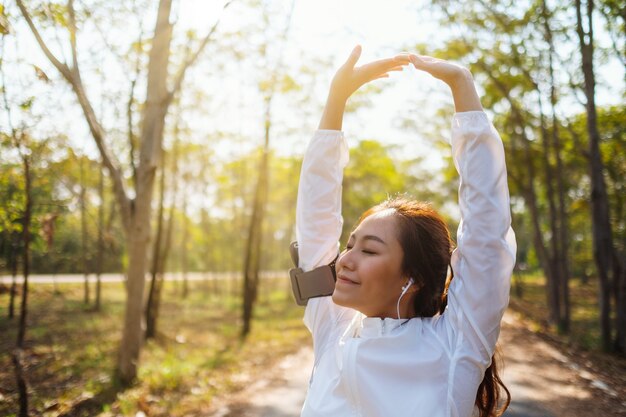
(368, 327)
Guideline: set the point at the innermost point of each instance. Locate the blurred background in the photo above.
(149, 161)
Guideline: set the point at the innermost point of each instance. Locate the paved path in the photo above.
(542, 381)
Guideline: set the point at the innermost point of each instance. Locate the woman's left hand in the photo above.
(458, 78)
(448, 72)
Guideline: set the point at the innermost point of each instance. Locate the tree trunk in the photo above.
(21, 334)
(620, 337)
(160, 257)
(253, 245)
(160, 276)
(83, 231)
(212, 287)
(156, 260)
(562, 225)
(13, 259)
(132, 335)
(554, 283)
(100, 254)
(139, 232)
(22, 388)
(25, 253)
(184, 246)
(602, 234)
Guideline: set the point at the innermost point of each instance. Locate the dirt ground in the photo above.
(547, 374)
(545, 377)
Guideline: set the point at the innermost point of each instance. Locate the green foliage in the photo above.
(56, 186)
(52, 14)
(217, 218)
(584, 330)
(372, 176)
(513, 71)
(13, 198)
(5, 26)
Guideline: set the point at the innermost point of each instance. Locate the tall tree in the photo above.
(100, 251)
(82, 198)
(603, 250)
(135, 211)
(562, 218)
(163, 242)
(21, 142)
(274, 82)
(518, 70)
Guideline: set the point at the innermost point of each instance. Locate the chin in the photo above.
(341, 300)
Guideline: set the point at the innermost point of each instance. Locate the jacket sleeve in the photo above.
(319, 223)
(485, 255)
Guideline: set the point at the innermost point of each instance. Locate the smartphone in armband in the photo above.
(319, 282)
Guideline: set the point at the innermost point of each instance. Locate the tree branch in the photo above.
(62, 67)
(180, 76)
(72, 29)
(129, 109)
(73, 77)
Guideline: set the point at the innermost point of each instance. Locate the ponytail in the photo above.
(490, 391)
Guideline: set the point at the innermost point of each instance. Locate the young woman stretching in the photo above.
(398, 337)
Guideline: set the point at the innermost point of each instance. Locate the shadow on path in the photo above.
(526, 409)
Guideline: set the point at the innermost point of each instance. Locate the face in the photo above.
(369, 270)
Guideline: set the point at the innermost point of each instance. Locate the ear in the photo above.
(413, 286)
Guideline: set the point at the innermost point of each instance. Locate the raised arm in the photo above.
(318, 211)
(485, 254)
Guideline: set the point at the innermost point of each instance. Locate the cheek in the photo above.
(386, 278)
(382, 277)
(389, 268)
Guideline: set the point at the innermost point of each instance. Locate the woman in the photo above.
(389, 343)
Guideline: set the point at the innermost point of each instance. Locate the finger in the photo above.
(380, 76)
(423, 61)
(403, 57)
(390, 62)
(354, 56)
(398, 68)
(416, 61)
(381, 66)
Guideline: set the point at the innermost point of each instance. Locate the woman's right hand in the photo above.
(349, 78)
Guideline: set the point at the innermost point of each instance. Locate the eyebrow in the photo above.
(369, 237)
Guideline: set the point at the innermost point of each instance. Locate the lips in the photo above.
(343, 279)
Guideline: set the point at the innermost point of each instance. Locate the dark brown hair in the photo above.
(423, 233)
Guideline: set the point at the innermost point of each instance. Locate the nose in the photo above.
(345, 260)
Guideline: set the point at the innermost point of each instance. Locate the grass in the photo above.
(197, 356)
(585, 320)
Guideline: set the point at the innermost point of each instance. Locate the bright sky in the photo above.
(320, 29)
(329, 29)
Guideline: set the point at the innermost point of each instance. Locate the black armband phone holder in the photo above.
(319, 282)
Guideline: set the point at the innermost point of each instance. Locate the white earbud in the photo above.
(407, 286)
(404, 290)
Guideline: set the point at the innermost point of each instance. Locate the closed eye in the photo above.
(365, 251)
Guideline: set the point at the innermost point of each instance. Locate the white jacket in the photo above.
(426, 367)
